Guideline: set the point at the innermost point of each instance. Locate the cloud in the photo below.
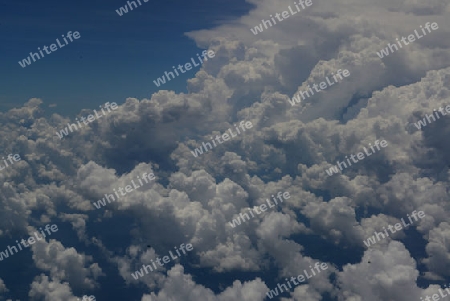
(66, 264)
(288, 149)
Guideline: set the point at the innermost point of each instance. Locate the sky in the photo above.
(116, 56)
(305, 160)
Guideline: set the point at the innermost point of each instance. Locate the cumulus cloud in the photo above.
(289, 148)
(66, 264)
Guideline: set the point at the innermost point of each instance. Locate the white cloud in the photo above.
(288, 149)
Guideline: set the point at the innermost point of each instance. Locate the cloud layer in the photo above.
(288, 149)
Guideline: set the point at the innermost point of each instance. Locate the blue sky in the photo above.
(328, 219)
(116, 56)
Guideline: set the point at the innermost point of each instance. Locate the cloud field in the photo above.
(289, 148)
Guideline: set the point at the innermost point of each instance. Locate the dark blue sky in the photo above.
(116, 56)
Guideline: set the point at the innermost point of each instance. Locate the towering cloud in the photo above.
(289, 148)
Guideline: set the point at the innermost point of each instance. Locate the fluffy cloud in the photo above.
(288, 149)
